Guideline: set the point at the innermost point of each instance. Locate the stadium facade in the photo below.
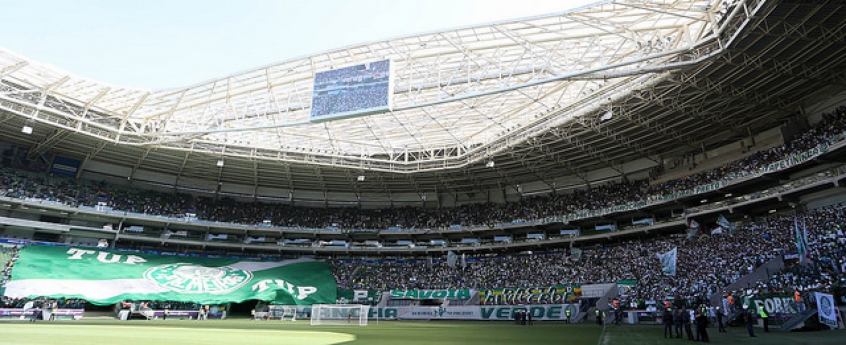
(615, 91)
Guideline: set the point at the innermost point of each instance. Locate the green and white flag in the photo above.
(106, 277)
(802, 242)
(668, 261)
(725, 224)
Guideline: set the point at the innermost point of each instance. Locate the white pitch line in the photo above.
(602, 340)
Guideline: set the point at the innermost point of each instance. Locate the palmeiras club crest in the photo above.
(193, 279)
(825, 306)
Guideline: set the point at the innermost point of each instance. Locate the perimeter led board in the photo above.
(352, 91)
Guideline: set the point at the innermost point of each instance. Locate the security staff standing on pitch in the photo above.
(749, 317)
(567, 315)
(701, 321)
(667, 317)
(678, 321)
(765, 318)
(686, 320)
(720, 320)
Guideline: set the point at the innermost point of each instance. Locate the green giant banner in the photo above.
(106, 276)
(772, 303)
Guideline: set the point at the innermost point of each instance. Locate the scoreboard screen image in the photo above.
(352, 91)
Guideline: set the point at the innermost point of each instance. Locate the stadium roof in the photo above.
(481, 107)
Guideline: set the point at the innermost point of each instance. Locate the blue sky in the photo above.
(158, 44)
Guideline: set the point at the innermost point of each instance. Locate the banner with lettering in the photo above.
(358, 296)
(17, 313)
(439, 313)
(106, 277)
(793, 160)
(530, 295)
(773, 304)
(548, 312)
(433, 294)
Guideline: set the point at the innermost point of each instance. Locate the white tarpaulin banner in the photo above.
(438, 312)
(826, 309)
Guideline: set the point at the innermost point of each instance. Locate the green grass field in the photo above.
(240, 331)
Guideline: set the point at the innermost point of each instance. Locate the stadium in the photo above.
(584, 176)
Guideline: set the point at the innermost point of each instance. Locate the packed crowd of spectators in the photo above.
(528, 209)
(826, 269)
(21, 184)
(706, 263)
(826, 131)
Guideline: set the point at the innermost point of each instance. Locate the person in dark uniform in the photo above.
(529, 317)
(685, 314)
(598, 317)
(667, 317)
(720, 324)
(678, 320)
(618, 316)
(567, 315)
(36, 314)
(701, 321)
(749, 317)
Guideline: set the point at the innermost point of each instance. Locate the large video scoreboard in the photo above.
(352, 91)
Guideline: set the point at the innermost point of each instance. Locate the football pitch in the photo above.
(240, 331)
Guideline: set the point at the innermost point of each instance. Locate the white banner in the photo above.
(438, 312)
(540, 312)
(826, 309)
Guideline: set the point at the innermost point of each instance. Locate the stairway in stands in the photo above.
(761, 273)
(798, 320)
